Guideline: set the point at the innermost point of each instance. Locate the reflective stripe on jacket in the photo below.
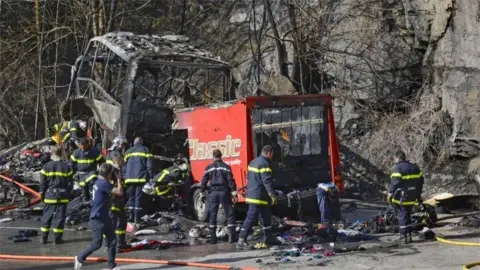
(406, 183)
(75, 131)
(259, 181)
(220, 176)
(138, 165)
(85, 163)
(56, 182)
(112, 154)
(60, 132)
(166, 176)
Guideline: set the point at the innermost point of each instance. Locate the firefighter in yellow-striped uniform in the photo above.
(172, 174)
(116, 150)
(138, 171)
(260, 195)
(405, 191)
(84, 163)
(60, 133)
(118, 210)
(56, 191)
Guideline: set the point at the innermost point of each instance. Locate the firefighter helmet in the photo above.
(82, 124)
(183, 167)
(118, 141)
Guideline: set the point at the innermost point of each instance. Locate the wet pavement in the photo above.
(75, 241)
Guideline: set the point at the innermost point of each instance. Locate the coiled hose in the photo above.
(461, 243)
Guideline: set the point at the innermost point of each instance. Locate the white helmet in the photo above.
(82, 124)
(149, 189)
(183, 167)
(118, 141)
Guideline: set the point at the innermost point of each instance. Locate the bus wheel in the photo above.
(200, 206)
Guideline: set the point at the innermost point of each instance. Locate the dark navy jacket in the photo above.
(259, 181)
(76, 132)
(56, 182)
(112, 154)
(138, 165)
(406, 179)
(220, 176)
(101, 199)
(86, 163)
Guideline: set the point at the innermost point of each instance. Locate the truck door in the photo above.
(299, 135)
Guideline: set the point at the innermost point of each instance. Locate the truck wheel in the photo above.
(200, 206)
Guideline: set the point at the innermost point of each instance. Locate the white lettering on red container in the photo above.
(203, 150)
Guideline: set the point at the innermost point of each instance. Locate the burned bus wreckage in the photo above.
(130, 84)
(181, 100)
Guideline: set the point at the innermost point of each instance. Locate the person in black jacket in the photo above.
(84, 163)
(405, 191)
(222, 189)
(260, 195)
(116, 150)
(117, 211)
(173, 174)
(138, 171)
(59, 133)
(56, 191)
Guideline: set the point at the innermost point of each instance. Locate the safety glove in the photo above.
(273, 199)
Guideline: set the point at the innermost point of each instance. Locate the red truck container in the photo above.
(300, 127)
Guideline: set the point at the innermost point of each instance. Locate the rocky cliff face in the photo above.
(406, 74)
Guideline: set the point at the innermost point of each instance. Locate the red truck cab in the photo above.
(301, 129)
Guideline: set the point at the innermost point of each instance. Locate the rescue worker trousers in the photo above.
(252, 215)
(101, 227)
(57, 214)
(134, 203)
(404, 215)
(329, 205)
(119, 221)
(215, 199)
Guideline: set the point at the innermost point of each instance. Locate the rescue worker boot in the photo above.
(58, 239)
(121, 243)
(232, 235)
(242, 244)
(44, 238)
(410, 237)
(213, 235)
(270, 240)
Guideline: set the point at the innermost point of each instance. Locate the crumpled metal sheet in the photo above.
(128, 46)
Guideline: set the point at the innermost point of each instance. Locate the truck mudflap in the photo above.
(299, 205)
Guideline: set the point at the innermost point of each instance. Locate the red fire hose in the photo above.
(36, 200)
(36, 196)
(122, 260)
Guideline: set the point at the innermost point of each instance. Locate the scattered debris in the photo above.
(146, 232)
(426, 234)
(468, 221)
(23, 236)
